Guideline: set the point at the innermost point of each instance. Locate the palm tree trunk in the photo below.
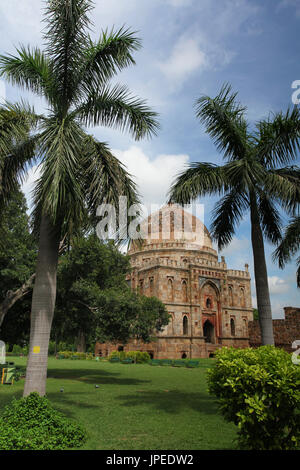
(42, 310)
(261, 276)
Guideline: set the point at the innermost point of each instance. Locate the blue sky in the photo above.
(190, 47)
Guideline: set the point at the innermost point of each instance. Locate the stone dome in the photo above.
(173, 224)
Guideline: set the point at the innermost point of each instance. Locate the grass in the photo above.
(136, 406)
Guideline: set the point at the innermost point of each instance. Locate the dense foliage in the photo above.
(94, 301)
(17, 264)
(32, 423)
(139, 357)
(259, 391)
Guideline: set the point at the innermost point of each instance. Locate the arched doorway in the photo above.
(208, 332)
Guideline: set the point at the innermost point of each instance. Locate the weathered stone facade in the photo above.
(210, 305)
(286, 330)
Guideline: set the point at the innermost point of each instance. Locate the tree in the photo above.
(253, 179)
(88, 268)
(289, 246)
(17, 254)
(78, 173)
(125, 315)
(94, 301)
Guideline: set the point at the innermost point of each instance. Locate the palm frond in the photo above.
(270, 218)
(278, 138)
(58, 192)
(284, 184)
(227, 213)
(105, 180)
(103, 59)
(199, 179)
(66, 39)
(30, 70)
(115, 108)
(290, 243)
(223, 118)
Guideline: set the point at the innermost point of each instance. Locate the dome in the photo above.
(173, 224)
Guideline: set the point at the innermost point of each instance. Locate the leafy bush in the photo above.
(259, 391)
(77, 355)
(31, 423)
(138, 357)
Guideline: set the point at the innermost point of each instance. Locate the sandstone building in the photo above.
(209, 304)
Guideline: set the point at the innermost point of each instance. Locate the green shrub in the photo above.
(75, 355)
(259, 391)
(138, 357)
(31, 423)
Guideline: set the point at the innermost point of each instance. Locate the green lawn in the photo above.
(136, 406)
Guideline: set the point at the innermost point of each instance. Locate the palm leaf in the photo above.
(114, 107)
(278, 138)
(227, 213)
(103, 59)
(223, 118)
(198, 180)
(30, 70)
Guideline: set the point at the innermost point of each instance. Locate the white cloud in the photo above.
(277, 285)
(153, 176)
(185, 58)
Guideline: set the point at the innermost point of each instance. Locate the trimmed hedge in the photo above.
(74, 355)
(138, 357)
(259, 391)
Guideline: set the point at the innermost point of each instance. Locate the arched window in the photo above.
(208, 303)
(230, 296)
(141, 287)
(151, 283)
(245, 327)
(170, 290)
(232, 327)
(185, 324)
(243, 299)
(184, 291)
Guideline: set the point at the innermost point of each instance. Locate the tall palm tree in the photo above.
(254, 178)
(78, 172)
(290, 245)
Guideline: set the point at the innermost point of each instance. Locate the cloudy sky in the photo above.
(190, 48)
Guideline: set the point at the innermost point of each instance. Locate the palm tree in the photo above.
(289, 246)
(252, 179)
(78, 172)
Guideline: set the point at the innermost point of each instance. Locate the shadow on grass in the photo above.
(172, 401)
(93, 377)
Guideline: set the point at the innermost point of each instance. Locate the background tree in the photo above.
(78, 173)
(17, 262)
(125, 315)
(94, 301)
(254, 179)
(289, 246)
(89, 267)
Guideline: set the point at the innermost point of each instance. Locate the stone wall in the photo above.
(286, 330)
